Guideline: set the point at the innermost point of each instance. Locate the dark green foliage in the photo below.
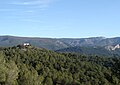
(8, 71)
(36, 66)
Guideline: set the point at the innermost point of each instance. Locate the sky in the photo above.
(60, 18)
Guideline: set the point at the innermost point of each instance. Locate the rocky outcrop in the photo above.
(113, 47)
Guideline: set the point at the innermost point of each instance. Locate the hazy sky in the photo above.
(60, 18)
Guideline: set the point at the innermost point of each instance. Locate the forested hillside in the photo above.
(100, 51)
(36, 66)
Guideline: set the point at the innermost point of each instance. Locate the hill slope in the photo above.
(101, 51)
(36, 66)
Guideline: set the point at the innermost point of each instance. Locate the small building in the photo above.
(26, 44)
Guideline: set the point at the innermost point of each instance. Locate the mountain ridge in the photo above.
(58, 43)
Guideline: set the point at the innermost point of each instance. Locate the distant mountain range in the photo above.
(94, 45)
(59, 43)
(48, 43)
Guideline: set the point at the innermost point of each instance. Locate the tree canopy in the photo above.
(37, 66)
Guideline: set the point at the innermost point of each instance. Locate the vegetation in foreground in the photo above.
(35, 66)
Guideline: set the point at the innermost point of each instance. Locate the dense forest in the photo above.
(38, 66)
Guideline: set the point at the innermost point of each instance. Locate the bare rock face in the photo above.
(116, 47)
(113, 47)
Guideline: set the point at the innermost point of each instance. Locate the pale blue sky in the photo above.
(60, 18)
